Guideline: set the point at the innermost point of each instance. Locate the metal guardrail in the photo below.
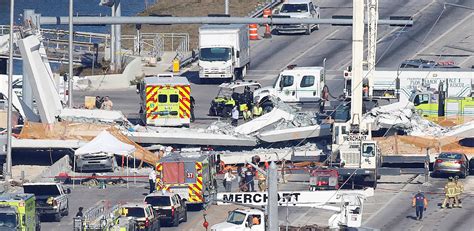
(98, 217)
(155, 44)
(259, 11)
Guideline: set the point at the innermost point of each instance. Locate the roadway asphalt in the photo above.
(395, 44)
(428, 38)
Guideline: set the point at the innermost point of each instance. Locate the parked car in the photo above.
(171, 208)
(146, 218)
(451, 163)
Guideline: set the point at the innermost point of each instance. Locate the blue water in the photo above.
(61, 8)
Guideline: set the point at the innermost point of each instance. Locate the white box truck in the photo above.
(224, 51)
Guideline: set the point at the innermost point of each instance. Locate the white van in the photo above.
(293, 85)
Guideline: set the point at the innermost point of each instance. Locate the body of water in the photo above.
(61, 8)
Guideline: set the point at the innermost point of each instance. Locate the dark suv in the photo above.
(171, 208)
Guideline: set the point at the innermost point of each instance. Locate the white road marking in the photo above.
(442, 35)
(389, 33)
(312, 47)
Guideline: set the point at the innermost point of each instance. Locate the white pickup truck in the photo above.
(51, 198)
(242, 220)
(297, 9)
(293, 85)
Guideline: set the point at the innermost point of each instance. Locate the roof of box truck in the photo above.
(173, 81)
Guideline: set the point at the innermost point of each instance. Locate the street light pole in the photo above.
(8, 174)
(71, 70)
(226, 7)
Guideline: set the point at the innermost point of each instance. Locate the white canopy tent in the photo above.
(107, 143)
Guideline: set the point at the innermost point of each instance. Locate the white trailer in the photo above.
(224, 51)
(389, 83)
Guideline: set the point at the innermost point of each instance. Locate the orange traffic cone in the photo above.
(253, 32)
(268, 32)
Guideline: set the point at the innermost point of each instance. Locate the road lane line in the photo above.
(461, 63)
(389, 33)
(442, 35)
(312, 47)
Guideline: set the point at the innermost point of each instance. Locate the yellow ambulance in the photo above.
(166, 101)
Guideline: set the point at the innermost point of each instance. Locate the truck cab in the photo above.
(17, 212)
(355, 154)
(427, 104)
(242, 220)
(224, 51)
(293, 85)
(297, 9)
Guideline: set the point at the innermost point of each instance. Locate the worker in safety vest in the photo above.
(247, 114)
(257, 110)
(450, 193)
(459, 190)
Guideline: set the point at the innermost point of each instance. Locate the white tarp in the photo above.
(105, 142)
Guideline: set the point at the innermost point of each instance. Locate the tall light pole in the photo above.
(71, 69)
(8, 174)
(118, 36)
(226, 7)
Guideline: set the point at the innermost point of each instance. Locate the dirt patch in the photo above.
(189, 8)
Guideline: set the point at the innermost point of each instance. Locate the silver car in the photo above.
(95, 162)
(451, 163)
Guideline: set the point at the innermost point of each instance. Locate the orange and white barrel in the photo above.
(253, 32)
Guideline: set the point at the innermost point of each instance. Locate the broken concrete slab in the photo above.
(189, 137)
(309, 151)
(92, 116)
(401, 115)
(265, 120)
(46, 144)
(295, 133)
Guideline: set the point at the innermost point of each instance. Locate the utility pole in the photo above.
(226, 7)
(8, 174)
(357, 58)
(272, 206)
(118, 36)
(71, 37)
(372, 16)
(112, 42)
